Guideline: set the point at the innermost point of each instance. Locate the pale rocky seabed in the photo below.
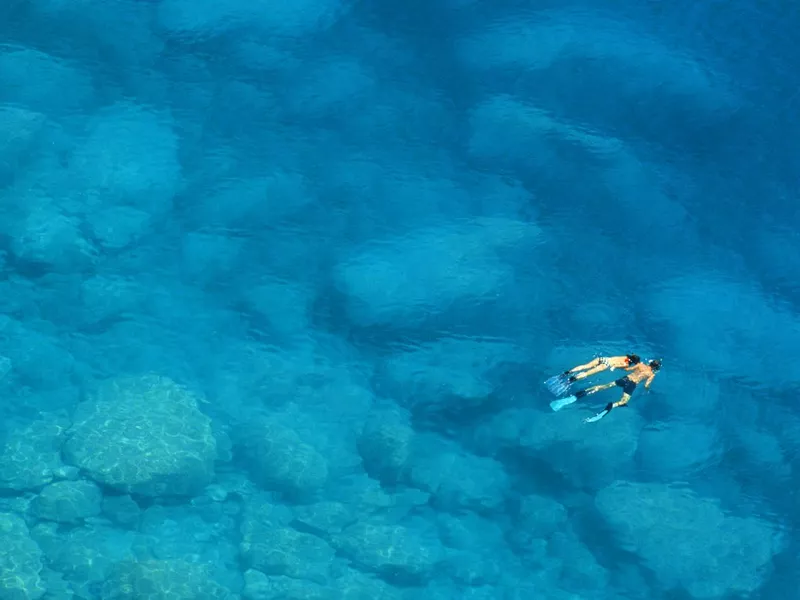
(282, 283)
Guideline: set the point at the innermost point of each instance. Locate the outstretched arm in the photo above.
(649, 381)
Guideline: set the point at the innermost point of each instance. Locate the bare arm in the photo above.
(649, 381)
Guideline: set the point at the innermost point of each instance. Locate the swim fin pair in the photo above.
(558, 384)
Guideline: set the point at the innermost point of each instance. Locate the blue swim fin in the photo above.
(597, 417)
(558, 384)
(559, 404)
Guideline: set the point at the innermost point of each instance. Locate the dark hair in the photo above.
(634, 359)
(655, 364)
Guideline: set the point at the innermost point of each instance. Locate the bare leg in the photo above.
(593, 363)
(594, 389)
(624, 400)
(593, 371)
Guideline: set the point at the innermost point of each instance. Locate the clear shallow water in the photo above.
(281, 287)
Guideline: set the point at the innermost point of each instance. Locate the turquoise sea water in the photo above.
(282, 283)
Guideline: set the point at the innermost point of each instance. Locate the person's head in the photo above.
(655, 364)
(633, 359)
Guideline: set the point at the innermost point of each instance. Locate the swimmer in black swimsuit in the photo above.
(638, 373)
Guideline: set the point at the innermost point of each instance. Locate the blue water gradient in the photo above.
(282, 282)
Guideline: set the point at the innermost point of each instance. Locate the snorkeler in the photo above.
(561, 383)
(639, 372)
